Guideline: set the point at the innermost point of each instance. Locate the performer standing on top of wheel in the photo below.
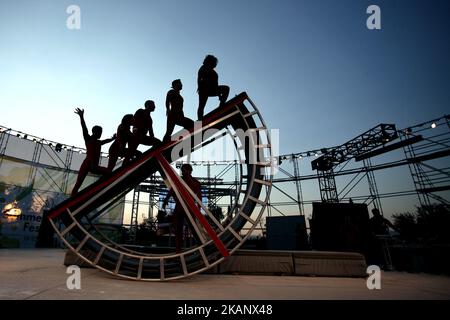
(174, 112)
(93, 150)
(208, 85)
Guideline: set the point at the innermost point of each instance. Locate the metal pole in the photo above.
(298, 186)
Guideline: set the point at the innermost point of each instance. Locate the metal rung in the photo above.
(161, 268)
(82, 243)
(263, 146)
(247, 218)
(243, 191)
(183, 265)
(119, 262)
(258, 129)
(267, 183)
(66, 230)
(205, 260)
(250, 114)
(235, 234)
(99, 254)
(141, 262)
(257, 200)
(262, 164)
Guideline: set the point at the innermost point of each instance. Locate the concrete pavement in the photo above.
(40, 274)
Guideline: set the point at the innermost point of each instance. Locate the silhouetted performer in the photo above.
(174, 110)
(142, 124)
(179, 214)
(379, 225)
(123, 136)
(379, 247)
(93, 150)
(208, 85)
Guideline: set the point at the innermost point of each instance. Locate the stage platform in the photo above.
(294, 263)
(287, 263)
(41, 274)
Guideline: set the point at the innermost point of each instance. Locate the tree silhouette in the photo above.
(429, 225)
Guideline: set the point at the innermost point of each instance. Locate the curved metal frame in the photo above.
(112, 258)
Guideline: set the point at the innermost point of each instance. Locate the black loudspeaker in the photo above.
(286, 233)
(340, 227)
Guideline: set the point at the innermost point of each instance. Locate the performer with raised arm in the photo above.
(93, 150)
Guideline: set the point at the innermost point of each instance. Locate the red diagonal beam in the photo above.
(187, 198)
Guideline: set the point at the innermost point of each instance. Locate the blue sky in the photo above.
(313, 68)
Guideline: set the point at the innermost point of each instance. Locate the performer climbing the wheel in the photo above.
(123, 136)
(179, 214)
(93, 147)
(208, 85)
(142, 124)
(174, 110)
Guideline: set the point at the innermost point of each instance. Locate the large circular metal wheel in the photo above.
(216, 239)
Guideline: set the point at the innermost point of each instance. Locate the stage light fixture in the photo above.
(58, 147)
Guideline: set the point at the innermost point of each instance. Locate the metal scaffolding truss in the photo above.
(420, 145)
(134, 214)
(333, 157)
(59, 156)
(429, 178)
(327, 185)
(369, 140)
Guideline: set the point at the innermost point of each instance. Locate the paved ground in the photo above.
(40, 274)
